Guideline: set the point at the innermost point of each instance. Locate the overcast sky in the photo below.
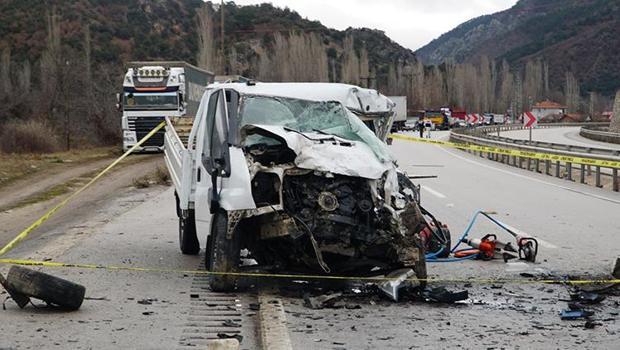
(411, 23)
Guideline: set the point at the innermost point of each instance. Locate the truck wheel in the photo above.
(53, 290)
(188, 240)
(224, 254)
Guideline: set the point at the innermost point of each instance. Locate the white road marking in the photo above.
(531, 178)
(433, 192)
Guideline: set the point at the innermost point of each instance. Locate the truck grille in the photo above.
(143, 125)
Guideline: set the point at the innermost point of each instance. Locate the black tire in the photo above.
(53, 290)
(223, 256)
(188, 239)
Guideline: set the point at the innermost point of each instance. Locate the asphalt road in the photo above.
(567, 136)
(577, 225)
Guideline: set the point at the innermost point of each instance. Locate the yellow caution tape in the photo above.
(303, 276)
(20, 237)
(513, 152)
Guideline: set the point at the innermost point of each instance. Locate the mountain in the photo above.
(578, 36)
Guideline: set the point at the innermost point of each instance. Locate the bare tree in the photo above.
(207, 51)
(5, 72)
(614, 126)
(571, 92)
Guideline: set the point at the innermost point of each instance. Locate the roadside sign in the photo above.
(529, 120)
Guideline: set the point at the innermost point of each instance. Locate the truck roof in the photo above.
(138, 64)
(365, 101)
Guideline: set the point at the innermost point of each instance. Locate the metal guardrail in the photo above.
(598, 133)
(585, 173)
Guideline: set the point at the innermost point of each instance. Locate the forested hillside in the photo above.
(62, 60)
(578, 36)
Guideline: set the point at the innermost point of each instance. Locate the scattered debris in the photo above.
(230, 323)
(442, 295)
(587, 297)
(321, 301)
(147, 301)
(239, 337)
(567, 315)
(398, 279)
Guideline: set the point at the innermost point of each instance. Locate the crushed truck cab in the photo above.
(293, 175)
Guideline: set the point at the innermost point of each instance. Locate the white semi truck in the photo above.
(155, 90)
(400, 112)
(290, 174)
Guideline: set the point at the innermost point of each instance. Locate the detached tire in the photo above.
(53, 290)
(188, 240)
(223, 256)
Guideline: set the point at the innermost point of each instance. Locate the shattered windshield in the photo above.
(328, 117)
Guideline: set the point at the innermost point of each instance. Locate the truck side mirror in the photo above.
(118, 102)
(218, 161)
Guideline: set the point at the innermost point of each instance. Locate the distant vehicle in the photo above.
(400, 112)
(488, 119)
(153, 91)
(458, 123)
(499, 119)
(458, 113)
(440, 120)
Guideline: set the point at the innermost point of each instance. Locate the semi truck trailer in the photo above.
(400, 112)
(155, 90)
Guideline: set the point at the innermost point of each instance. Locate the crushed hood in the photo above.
(327, 153)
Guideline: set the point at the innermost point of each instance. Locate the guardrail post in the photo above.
(598, 177)
(547, 167)
(529, 163)
(582, 174)
(557, 168)
(615, 179)
(537, 163)
(569, 171)
(521, 162)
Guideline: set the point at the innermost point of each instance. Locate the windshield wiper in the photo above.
(333, 137)
(299, 132)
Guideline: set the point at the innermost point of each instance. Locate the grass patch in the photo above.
(16, 166)
(143, 182)
(158, 177)
(52, 192)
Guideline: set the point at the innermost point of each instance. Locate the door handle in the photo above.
(198, 175)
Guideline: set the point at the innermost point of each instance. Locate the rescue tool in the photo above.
(488, 247)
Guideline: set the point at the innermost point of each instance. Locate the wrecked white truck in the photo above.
(290, 174)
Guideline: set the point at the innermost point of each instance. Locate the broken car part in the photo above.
(396, 280)
(442, 295)
(575, 314)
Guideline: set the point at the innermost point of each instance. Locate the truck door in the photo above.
(214, 162)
